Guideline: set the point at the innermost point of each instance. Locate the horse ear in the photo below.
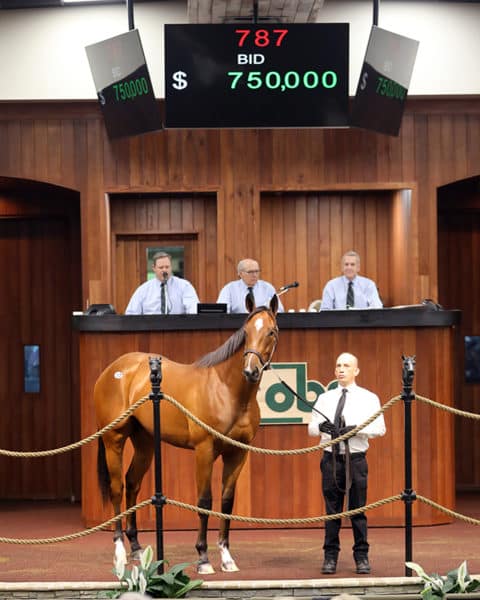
(274, 304)
(250, 302)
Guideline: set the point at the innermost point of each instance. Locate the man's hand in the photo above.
(328, 427)
(345, 430)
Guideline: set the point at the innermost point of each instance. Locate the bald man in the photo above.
(344, 465)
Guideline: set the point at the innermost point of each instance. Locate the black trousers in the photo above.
(334, 496)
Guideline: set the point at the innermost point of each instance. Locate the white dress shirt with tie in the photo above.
(364, 291)
(360, 404)
(233, 294)
(181, 298)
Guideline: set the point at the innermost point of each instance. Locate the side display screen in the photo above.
(123, 85)
(382, 90)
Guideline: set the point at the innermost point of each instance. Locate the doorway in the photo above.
(458, 287)
(41, 286)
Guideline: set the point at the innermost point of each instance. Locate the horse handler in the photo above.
(344, 466)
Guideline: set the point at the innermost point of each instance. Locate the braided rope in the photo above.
(80, 443)
(449, 512)
(455, 411)
(300, 521)
(79, 534)
(268, 451)
(240, 518)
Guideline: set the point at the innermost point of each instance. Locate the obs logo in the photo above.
(278, 405)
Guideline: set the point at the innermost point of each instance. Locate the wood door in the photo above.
(39, 262)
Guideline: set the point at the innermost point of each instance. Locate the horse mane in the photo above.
(228, 348)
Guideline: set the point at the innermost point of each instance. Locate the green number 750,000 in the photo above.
(291, 80)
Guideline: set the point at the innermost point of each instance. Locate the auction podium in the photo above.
(290, 486)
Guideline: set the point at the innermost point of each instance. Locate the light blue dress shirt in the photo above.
(181, 298)
(364, 290)
(234, 295)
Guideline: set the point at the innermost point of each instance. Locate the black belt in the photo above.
(342, 456)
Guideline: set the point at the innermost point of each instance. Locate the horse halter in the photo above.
(264, 363)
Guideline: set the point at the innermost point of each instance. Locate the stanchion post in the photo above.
(158, 499)
(408, 495)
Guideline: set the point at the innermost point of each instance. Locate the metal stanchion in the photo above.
(158, 499)
(408, 495)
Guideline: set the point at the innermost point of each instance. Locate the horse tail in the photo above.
(102, 471)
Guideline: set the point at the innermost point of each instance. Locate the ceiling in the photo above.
(217, 11)
(226, 11)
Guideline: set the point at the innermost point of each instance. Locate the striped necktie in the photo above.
(350, 295)
(163, 298)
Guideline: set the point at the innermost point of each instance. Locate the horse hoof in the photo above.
(136, 555)
(230, 567)
(205, 569)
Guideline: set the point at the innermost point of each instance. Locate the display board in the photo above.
(382, 89)
(251, 75)
(123, 85)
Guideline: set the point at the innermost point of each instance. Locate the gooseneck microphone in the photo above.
(287, 287)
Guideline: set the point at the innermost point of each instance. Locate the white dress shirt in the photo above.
(360, 404)
(364, 290)
(234, 293)
(146, 300)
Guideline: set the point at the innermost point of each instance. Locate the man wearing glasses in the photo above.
(235, 292)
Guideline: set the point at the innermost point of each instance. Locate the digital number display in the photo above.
(382, 89)
(123, 86)
(227, 76)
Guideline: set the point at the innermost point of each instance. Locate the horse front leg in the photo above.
(233, 461)
(204, 458)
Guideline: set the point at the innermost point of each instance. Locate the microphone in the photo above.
(165, 275)
(287, 287)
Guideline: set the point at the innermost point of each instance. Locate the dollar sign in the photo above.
(363, 83)
(180, 79)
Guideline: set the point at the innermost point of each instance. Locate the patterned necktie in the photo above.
(163, 299)
(350, 296)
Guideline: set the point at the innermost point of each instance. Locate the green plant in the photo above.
(457, 581)
(145, 578)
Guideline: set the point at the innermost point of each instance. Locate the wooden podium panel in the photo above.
(290, 486)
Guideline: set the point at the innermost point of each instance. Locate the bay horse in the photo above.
(220, 389)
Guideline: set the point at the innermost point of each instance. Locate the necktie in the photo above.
(340, 406)
(163, 299)
(350, 296)
(250, 291)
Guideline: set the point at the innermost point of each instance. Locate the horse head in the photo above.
(261, 336)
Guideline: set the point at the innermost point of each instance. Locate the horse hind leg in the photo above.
(143, 451)
(109, 469)
(233, 461)
(204, 459)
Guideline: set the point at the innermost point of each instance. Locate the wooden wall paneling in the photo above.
(283, 477)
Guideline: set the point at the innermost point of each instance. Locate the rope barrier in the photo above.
(239, 518)
(80, 443)
(299, 521)
(255, 520)
(268, 451)
(78, 534)
(449, 512)
(455, 411)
